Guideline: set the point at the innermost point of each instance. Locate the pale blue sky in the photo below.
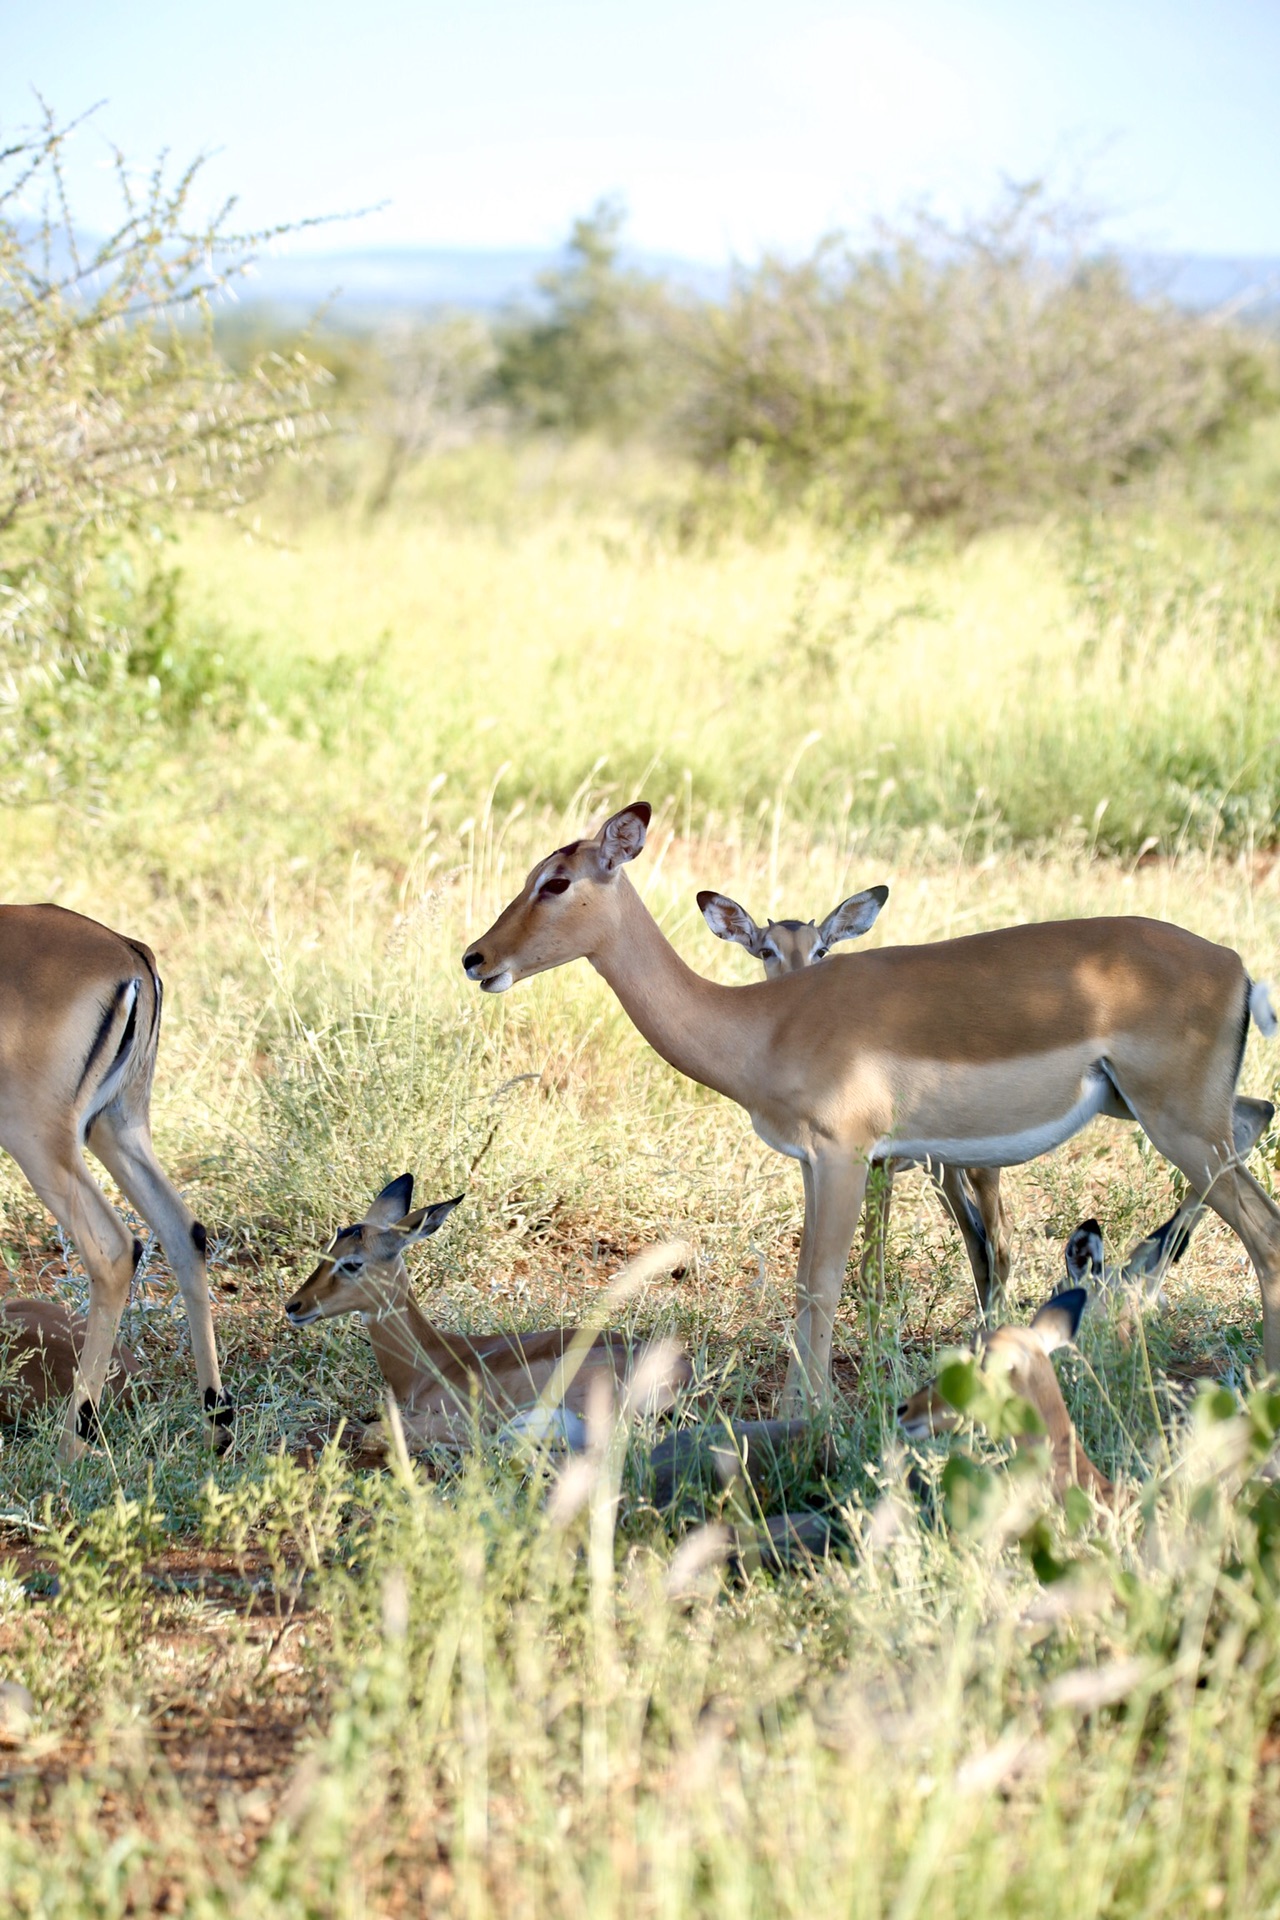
(726, 127)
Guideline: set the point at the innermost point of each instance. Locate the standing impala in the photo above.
(968, 1196)
(79, 1027)
(984, 1051)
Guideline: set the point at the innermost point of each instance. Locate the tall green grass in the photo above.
(1109, 680)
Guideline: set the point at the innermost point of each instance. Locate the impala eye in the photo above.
(346, 1267)
(819, 953)
(558, 883)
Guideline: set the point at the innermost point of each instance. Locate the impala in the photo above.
(970, 1197)
(40, 1348)
(79, 1027)
(1020, 1355)
(539, 1383)
(984, 1051)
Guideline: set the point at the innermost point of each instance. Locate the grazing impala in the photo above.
(442, 1382)
(970, 1197)
(1021, 1356)
(983, 1051)
(79, 1027)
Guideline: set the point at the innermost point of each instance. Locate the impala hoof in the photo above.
(221, 1415)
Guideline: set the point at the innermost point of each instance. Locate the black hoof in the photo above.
(221, 1414)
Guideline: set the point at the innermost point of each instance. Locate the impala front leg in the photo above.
(834, 1190)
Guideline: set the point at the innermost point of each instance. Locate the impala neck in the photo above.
(403, 1341)
(700, 1028)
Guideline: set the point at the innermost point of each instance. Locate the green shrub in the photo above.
(976, 376)
(592, 357)
(116, 411)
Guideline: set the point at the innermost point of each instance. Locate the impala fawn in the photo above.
(970, 1197)
(445, 1384)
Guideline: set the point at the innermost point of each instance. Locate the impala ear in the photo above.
(853, 916)
(392, 1203)
(1055, 1324)
(421, 1224)
(1083, 1254)
(728, 921)
(621, 837)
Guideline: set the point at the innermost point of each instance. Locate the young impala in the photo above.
(40, 1348)
(79, 1027)
(442, 1382)
(968, 1196)
(983, 1051)
(1021, 1356)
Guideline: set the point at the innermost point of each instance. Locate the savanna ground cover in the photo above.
(265, 1683)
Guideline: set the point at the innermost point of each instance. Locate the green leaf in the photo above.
(1214, 1406)
(960, 1383)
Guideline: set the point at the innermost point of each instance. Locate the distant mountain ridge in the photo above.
(365, 285)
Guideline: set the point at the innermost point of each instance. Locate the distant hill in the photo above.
(366, 285)
(1202, 281)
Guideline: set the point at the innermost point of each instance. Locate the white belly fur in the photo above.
(1012, 1149)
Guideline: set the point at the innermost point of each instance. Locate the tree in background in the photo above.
(594, 356)
(116, 412)
(429, 390)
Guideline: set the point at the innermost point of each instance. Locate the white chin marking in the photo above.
(497, 982)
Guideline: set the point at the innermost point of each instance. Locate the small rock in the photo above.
(17, 1709)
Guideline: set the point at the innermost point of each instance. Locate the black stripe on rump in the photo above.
(1244, 1030)
(110, 1012)
(156, 982)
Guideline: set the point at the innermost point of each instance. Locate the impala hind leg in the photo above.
(59, 1176)
(123, 1144)
(960, 1206)
(1250, 1212)
(1214, 1174)
(834, 1192)
(985, 1182)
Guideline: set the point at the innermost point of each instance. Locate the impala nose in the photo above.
(473, 964)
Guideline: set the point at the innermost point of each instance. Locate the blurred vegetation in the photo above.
(117, 413)
(801, 503)
(975, 376)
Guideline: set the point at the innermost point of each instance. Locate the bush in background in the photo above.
(976, 376)
(116, 411)
(595, 354)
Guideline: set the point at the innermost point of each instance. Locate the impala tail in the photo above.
(1261, 1011)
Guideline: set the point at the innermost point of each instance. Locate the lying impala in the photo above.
(40, 1348)
(443, 1382)
(968, 1196)
(79, 1027)
(983, 1051)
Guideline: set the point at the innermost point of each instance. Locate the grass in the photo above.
(262, 1686)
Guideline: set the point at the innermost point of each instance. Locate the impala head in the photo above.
(784, 946)
(1019, 1354)
(557, 914)
(362, 1270)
